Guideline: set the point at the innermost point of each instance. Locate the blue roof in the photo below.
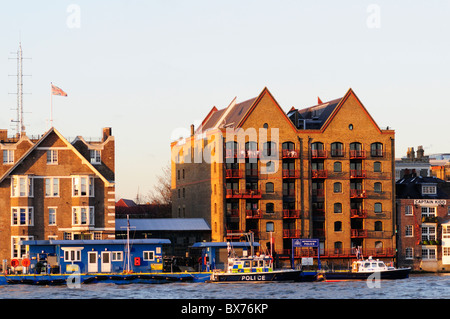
(224, 244)
(150, 241)
(163, 224)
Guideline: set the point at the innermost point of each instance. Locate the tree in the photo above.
(162, 190)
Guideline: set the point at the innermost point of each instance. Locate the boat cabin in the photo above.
(369, 265)
(95, 256)
(261, 263)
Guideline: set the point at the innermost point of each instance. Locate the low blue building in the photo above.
(95, 256)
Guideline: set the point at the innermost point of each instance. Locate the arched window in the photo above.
(269, 188)
(378, 226)
(337, 226)
(376, 149)
(270, 227)
(269, 149)
(377, 167)
(377, 187)
(379, 247)
(337, 149)
(318, 150)
(337, 187)
(269, 208)
(337, 208)
(378, 208)
(270, 167)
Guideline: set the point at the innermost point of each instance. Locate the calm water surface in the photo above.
(430, 286)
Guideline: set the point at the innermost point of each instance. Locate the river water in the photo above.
(417, 286)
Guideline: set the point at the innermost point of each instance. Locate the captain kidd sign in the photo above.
(430, 202)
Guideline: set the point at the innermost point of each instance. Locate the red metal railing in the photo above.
(358, 213)
(357, 173)
(234, 173)
(291, 173)
(357, 154)
(243, 193)
(253, 213)
(290, 153)
(319, 173)
(338, 253)
(358, 193)
(318, 154)
(358, 233)
(291, 233)
(291, 213)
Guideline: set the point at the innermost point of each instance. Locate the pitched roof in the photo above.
(411, 187)
(69, 145)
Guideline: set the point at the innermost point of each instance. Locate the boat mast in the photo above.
(128, 243)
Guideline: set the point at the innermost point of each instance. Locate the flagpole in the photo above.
(51, 106)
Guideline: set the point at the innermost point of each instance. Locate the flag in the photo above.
(319, 101)
(57, 91)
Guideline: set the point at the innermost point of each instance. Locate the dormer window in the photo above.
(429, 190)
(95, 156)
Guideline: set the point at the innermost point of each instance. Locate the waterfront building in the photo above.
(95, 256)
(413, 164)
(53, 189)
(423, 217)
(325, 172)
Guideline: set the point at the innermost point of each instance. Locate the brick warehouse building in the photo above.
(423, 217)
(321, 172)
(53, 189)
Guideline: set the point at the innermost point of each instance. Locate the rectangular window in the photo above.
(428, 233)
(83, 215)
(408, 210)
(149, 255)
(429, 189)
(18, 250)
(8, 156)
(22, 216)
(21, 186)
(428, 211)
(409, 253)
(408, 230)
(52, 187)
(82, 186)
(95, 157)
(52, 216)
(117, 256)
(52, 157)
(72, 254)
(428, 253)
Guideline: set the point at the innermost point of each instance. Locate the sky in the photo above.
(151, 68)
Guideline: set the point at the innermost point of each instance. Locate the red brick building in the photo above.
(53, 189)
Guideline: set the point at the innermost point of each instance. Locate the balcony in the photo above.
(291, 173)
(233, 213)
(358, 233)
(290, 153)
(252, 173)
(233, 173)
(234, 233)
(318, 154)
(339, 253)
(357, 173)
(291, 213)
(357, 154)
(291, 233)
(358, 213)
(376, 153)
(289, 192)
(245, 193)
(318, 192)
(319, 173)
(230, 153)
(358, 193)
(337, 153)
(253, 214)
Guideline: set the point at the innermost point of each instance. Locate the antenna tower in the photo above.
(20, 126)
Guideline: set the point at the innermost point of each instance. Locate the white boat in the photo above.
(252, 268)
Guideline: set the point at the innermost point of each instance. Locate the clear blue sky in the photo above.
(146, 68)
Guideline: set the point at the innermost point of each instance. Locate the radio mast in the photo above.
(20, 125)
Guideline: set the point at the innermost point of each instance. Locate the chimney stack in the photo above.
(107, 132)
(410, 154)
(420, 152)
(192, 129)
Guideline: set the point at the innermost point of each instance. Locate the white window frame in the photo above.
(409, 253)
(429, 190)
(18, 211)
(409, 210)
(82, 186)
(50, 214)
(95, 156)
(17, 250)
(52, 157)
(428, 211)
(83, 216)
(51, 186)
(72, 254)
(22, 186)
(429, 253)
(409, 231)
(117, 256)
(148, 255)
(428, 232)
(8, 156)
